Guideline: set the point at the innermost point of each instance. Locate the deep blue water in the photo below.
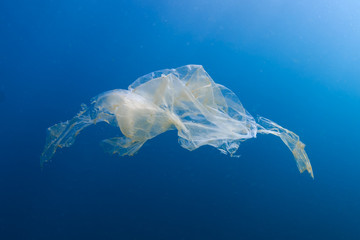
(295, 62)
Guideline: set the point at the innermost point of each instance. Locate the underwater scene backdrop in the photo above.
(294, 62)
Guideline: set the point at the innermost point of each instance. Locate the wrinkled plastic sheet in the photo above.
(185, 99)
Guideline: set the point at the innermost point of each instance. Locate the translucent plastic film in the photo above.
(185, 99)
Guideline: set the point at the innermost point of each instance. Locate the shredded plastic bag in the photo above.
(185, 99)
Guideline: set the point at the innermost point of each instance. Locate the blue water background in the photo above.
(294, 62)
